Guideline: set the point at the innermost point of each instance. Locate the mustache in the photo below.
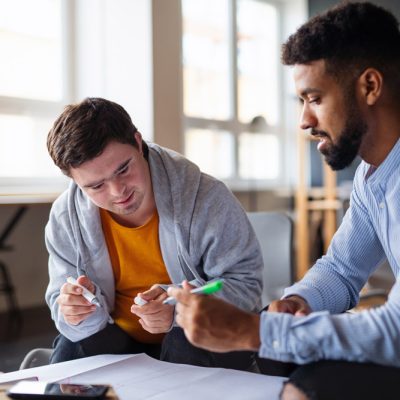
(316, 132)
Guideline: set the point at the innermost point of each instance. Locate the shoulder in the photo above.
(60, 206)
(162, 156)
(71, 207)
(171, 169)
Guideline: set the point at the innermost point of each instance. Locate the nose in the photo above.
(307, 118)
(117, 187)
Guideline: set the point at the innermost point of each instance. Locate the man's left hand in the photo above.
(155, 317)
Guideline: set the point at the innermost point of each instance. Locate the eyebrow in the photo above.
(120, 168)
(308, 91)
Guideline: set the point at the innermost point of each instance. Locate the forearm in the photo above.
(368, 336)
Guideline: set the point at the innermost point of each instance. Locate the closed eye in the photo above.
(315, 100)
(123, 170)
(96, 187)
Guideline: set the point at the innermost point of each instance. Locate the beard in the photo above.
(341, 154)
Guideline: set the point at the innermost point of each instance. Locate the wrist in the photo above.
(298, 299)
(302, 307)
(251, 333)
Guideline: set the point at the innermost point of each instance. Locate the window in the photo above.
(33, 86)
(231, 88)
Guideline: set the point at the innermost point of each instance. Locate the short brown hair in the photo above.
(83, 130)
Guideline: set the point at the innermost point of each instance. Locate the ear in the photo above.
(138, 138)
(370, 84)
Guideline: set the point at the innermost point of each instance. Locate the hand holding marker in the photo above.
(89, 296)
(139, 301)
(209, 288)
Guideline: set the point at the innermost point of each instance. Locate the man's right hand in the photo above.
(73, 306)
(295, 305)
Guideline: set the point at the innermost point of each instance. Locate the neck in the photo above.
(374, 152)
(383, 133)
(137, 218)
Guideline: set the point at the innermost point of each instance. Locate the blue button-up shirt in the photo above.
(369, 234)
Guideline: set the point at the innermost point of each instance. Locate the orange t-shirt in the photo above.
(137, 265)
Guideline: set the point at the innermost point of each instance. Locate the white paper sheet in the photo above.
(142, 377)
(146, 378)
(66, 369)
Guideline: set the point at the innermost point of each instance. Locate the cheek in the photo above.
(331, 123)
(139, 177)
(99, 199)
(335, 120)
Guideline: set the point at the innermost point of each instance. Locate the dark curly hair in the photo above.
(350, 37)
(83, 130)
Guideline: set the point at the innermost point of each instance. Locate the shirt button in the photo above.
(275, 344)
(381, 205)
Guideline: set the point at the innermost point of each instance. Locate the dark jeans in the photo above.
(337, 380)
(175, 348)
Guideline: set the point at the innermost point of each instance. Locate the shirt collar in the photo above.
(385, 170)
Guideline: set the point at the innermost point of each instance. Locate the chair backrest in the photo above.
(274, 231)
(36, 358)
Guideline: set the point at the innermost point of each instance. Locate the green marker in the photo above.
(210, 288)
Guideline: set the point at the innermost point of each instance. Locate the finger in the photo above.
(283, 306)
(69, 288)
(77, 310)
(153, 293)
(157, 322)
(72, 299)
(182, 317)
(141, 311)
(187, 286)
(302, 312)
(274, 306)
(76, 319)
(179, 318)
(86, 282)
(153, 328)
(152, 309)
(181, 295)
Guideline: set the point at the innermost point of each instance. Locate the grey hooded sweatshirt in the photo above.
(204, 234)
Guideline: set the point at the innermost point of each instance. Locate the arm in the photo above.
(367, 336)
(336, 279)
(63, 259)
